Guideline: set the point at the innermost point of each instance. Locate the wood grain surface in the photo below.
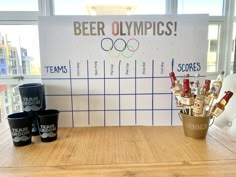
(120, 152)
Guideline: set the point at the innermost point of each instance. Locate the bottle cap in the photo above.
(228, 95)
(207, 84)
(171, 74)
(207, 81)
(186, 85)
(186, 81)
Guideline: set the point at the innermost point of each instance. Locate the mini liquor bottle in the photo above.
(220, 76)
(195, 85)
(207, 85)
(216, 85)
(199, 103)
(208, 97)
(187, 97)
(219, 107)
(173, 79)
(177, 91)
(176, 88)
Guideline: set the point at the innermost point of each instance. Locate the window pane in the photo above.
(19, 5)
(233, 54)
(19, 50)
(234, 9)
(213, 47)
(10, 100)
(211, 7)
(109, 7)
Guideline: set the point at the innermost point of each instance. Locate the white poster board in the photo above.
(114, 70)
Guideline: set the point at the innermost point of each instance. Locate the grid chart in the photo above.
(113, 93)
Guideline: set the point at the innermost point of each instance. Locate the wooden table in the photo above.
(120, 152)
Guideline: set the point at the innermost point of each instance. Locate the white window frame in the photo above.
(46, 8)
(228, 14)
(25, 18)
(225, 41)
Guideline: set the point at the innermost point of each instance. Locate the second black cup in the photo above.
(48, 124)
(33, 100)
(20, 126)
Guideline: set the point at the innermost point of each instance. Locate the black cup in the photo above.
(33, 101)
(48, 124)
(20, 126)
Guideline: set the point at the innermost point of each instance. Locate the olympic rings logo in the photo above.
(120, 46)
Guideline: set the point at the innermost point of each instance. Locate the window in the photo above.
(16, 5)
(233, 49)
(20, 44)
(18, 32)
(2, 61)
(3, 72)
(2, 50)
(213, 46)
(211, 7)
(233, 54)
(23, 45)
(108, 7)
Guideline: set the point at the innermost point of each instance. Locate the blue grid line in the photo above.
(171, 112)
(53, 78)
(119, 96)
(104, 95)
(135, 92)
(171, 97)
(108, 94)
(152, 92)
(101, 78)
(115, 94)
(112, 110)
(88, 92)
(147, 77)
(71, 95)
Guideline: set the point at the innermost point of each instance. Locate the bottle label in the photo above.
(178, 101)
(217, 112)
(198, 107)
(207, 100)
(216, 87)
(187, 101)
(176, 91)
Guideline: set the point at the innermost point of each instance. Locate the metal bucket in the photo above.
(195, 127)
